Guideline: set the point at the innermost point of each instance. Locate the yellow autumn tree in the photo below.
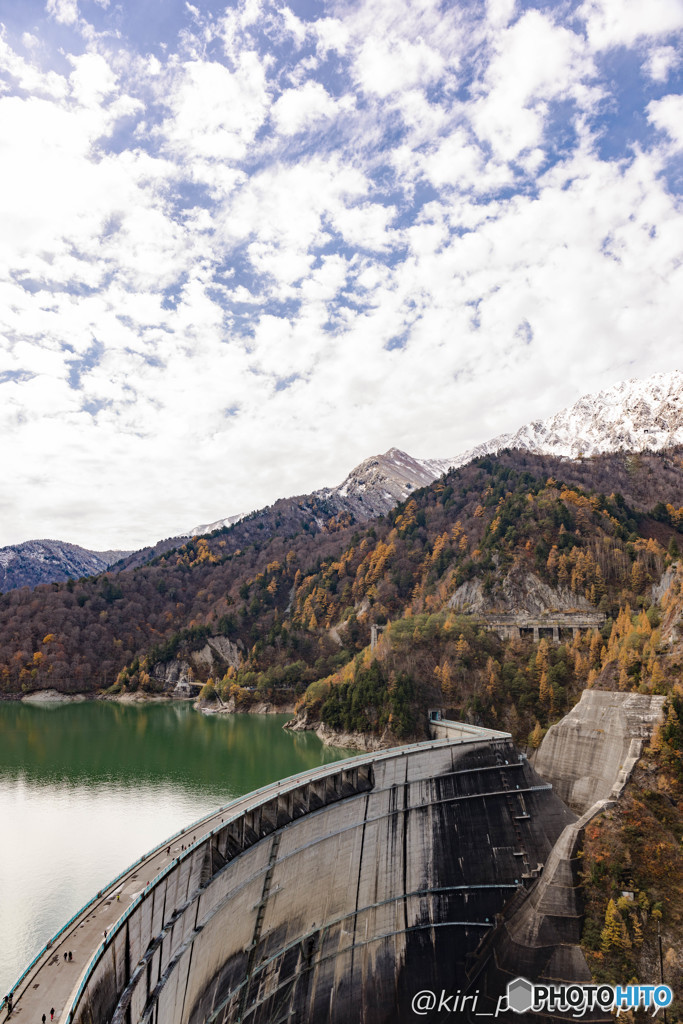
(447, 681)
(595, 648)
(614, 934)
(542, 656)
(536, 736)
(462, 647)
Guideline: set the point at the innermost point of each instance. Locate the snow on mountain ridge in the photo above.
(44, 561)
(632, 415)
(380, 482)
(218, 524)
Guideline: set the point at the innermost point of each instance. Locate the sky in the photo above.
(244, 247)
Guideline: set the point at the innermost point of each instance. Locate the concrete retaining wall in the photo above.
(589, 755)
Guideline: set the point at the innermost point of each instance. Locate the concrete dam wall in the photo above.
(336, 896)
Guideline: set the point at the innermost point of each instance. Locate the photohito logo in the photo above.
(578, 1000)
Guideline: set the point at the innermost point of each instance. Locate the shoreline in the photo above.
(52, 697)
(329, 737)
(364, 742)
(358, 741)
(260, 708)
(47, 697)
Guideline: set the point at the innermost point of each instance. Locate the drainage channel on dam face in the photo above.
(333, 896)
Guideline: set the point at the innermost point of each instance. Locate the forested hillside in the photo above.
(297, 589)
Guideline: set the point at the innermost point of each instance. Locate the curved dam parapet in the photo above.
(333, 896)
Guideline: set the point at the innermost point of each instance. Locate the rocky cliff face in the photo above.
(519, 592)
(184, 677)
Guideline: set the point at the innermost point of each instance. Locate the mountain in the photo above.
(45, 561)
(633, 415)
(380, 482)
(281, 607)
(219, 524)
(297, 586)
(372, 489)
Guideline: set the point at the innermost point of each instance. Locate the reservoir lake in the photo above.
(87, 788)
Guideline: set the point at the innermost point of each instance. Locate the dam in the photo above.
(338, 894)
(335, 895)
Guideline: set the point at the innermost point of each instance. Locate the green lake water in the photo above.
(86, 789)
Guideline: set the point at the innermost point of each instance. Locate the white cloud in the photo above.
(64, 11)
(612, 23)
(332, 34)
(386, 65)
(336, 233)
(301, 108)
(27, 75)
(667, 115)
(294, 26)
(500, 12)
(455, 161)
(92, 79)
(661, 61)
(535, 62)
(214, 112)
(283, 210)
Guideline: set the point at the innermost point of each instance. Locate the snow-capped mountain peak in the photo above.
(380, 482)
(632, 415)
(218, 524)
